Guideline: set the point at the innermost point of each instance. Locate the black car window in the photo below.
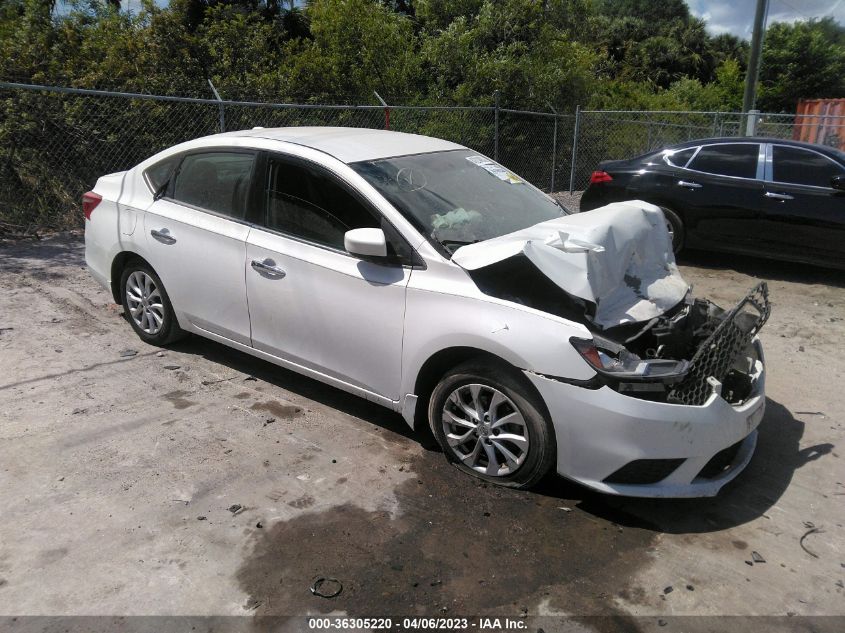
(681, 157)
(160, 173)
(801, 167)
(729, 159)
(305, 202)
(217, 181)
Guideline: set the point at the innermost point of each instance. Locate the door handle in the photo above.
(268, 267)
(689, 185)
(163, 235)
(778, 196)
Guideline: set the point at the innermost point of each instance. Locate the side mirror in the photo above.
(838, 182)
(365, 243)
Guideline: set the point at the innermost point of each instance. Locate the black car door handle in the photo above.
(163, 236)
(268, 267)
(778, 196)
(689, 185)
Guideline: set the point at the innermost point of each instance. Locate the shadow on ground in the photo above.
(764, 268)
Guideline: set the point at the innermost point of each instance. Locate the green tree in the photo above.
(803, 60)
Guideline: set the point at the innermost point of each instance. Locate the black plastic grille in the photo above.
(717, 354)
(721, 461)
(644, 471)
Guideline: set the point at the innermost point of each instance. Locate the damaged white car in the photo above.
(425, 277)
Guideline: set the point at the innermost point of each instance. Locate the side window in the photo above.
(729, 159)
(304, 202)
(217, 181)
(800, 167)
(679, 158)
(160, 173)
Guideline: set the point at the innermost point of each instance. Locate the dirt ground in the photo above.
(198, 480)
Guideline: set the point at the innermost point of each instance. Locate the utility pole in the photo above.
(750, 95)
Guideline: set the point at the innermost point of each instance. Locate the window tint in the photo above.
(305, 202)
(681, 157)
(798, 166)
(160, 173)
(734, 159)
(217, 181)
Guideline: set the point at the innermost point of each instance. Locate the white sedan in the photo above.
(425, 277)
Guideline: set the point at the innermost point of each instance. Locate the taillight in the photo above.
(600, 176)
(90, 200)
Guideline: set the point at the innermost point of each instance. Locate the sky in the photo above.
(737, 16)
(721, 16)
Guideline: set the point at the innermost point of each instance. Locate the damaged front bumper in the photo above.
(621, 445)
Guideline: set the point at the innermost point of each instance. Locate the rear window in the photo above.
(217, 181)
(730, 159)
(679, 158)
(159, 174)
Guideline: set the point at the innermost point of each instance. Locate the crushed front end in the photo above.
(678, 421)
(679, 385)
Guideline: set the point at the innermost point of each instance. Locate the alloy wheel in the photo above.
(145, 304)
(485, 430)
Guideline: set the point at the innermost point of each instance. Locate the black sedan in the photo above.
(761, 196)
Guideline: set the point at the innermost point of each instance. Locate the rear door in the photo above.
(196, 240)
(719, 195)
(804, 217)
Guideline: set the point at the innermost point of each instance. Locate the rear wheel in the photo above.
(491, 425)
(676, 229)
(146, 305)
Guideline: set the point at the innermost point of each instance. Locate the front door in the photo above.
(310, 302)
(804, 217)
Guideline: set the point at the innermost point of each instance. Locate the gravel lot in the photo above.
(198, 480)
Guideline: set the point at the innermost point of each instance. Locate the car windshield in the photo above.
(458, 197)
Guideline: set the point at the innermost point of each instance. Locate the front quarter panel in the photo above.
(445, 310)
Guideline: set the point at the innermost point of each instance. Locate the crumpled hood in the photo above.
(618, 257)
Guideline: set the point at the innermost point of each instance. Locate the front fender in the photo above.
(525, 338)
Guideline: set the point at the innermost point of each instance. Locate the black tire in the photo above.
(677, 229)
(169, 331)
(541, 450)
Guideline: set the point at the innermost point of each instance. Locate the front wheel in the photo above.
(491, 425)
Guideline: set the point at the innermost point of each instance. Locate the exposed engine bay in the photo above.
(677, 353)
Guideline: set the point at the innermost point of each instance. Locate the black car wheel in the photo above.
(676, 229)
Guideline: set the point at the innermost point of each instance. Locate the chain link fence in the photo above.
(55, 142)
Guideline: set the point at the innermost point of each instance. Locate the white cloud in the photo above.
(737, 16)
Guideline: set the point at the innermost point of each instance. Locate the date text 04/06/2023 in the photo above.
(410, 624)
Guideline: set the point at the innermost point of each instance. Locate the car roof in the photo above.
(756, 139)
(351, 144)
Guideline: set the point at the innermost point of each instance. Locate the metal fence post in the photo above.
(554, 150)
(386, 110)
(751, 122)
(574, 149)
(496, 127)
(221, 107)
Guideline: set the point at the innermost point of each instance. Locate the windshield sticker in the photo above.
(497, 170)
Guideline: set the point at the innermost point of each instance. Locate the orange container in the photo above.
(820, 121)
